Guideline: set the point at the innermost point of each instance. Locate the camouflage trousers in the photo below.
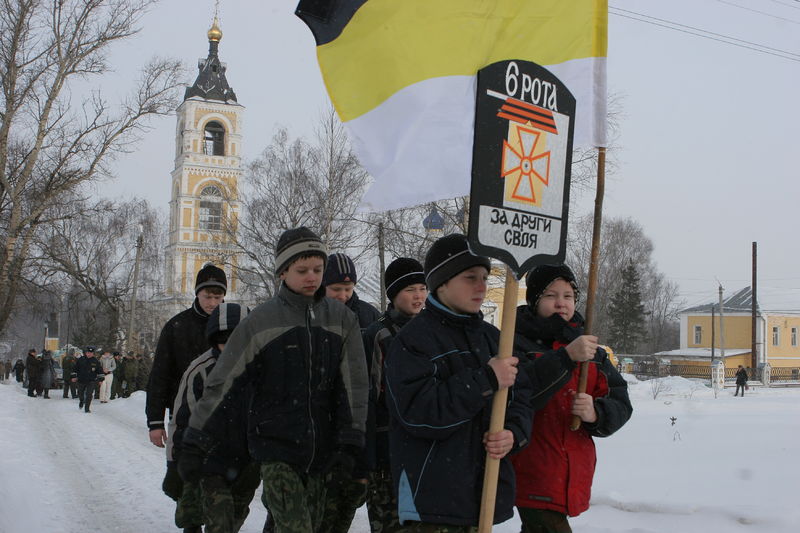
(543, 521)
(296, 500)
(227, 504)
(343, 496)
(189, 512)
(426, 527)
(381, 504)
(188, 496)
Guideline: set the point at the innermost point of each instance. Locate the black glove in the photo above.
(190, 464)
(342, 461)
(193, 452)
(172, 485)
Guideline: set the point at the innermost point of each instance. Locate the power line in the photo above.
(757, 11)
(785, 4)
(706, 34)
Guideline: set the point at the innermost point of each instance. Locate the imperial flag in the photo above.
(402, 75)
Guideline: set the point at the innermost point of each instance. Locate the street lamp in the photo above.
(139, 242)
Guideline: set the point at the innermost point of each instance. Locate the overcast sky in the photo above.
(708, 142)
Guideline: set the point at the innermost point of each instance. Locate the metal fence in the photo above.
(649, 370)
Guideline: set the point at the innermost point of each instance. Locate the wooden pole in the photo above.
(593, 268)
(497, 421)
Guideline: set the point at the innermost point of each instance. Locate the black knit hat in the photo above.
(211, 276)
(340, 269)
(223, 320)
(401, 273)
(448, 257)
(294, 243)
(541, 276)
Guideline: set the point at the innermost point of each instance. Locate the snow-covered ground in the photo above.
(726, 465)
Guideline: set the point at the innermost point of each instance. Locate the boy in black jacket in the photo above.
(441, 374)
(298, 365)
(230, 478)
(406, 291)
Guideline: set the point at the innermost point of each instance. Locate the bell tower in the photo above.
(204, 206)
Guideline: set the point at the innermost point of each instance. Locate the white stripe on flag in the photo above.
(430, 157)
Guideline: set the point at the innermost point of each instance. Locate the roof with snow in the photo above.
(701, 353)
(740, 302)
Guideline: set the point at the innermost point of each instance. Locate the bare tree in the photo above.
(624, 242)
(50, 145)
(297, 183)
(93, 251)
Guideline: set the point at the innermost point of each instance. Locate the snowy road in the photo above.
(726, 466)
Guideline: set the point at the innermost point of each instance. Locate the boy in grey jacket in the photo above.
(297, 362)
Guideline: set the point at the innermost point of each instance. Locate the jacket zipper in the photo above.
(309, 317)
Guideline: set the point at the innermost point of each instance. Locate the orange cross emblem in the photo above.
(525, 165)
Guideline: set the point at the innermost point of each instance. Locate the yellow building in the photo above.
(205, 206)
(776, 334)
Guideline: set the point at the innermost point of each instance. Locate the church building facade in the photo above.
(204, 205)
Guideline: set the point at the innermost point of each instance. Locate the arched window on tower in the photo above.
(211, 209)
(214, 139)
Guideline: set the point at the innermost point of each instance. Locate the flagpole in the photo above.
(497, 422)
(593, 268)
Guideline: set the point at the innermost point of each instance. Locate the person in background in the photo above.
(116, 388)
(19, 370)
(68, 367)
(344, 496)
(182, 339)
(47, 373)
(406, 292)
(88, 371)
(741, 380)
(109, 366)
(32, 371)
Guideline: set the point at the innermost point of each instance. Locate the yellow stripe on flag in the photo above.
(435, 38)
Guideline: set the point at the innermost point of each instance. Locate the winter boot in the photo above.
(193, 529)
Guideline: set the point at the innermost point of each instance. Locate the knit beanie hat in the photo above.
(211, 276)
(541, 276)
(340, 269)
(401, 273)
(448, 257)
(223, 320)
(294, 243)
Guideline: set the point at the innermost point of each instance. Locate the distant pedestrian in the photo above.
(130, 369)
(47, 373)
(88, 371)
(109, 365)
(68, 367)
(741, 380)
(32, 372)
(116, 388)
(9, 366)
(19, 370)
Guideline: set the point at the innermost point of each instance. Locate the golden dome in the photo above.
(215, 34)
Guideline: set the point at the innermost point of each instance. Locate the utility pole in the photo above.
(139, 242)
(753, 313)
(721, 327)
(713, 330)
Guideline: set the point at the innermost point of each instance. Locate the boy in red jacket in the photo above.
(554, 473)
